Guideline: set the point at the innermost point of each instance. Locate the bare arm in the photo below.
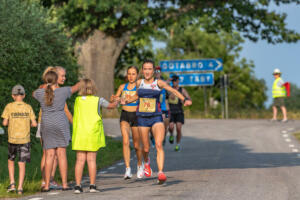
(68, 114)
(118, 94)
(5, 122)
(186, 94)
(164, 85)
(33, 123)
(75, 87)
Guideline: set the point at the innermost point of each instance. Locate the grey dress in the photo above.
(55, 128)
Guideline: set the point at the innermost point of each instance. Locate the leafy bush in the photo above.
(29, 42)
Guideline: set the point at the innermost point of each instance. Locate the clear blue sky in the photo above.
(286, 57)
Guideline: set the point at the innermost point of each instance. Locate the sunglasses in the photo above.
(157, 71)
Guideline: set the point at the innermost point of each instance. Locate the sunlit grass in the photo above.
(105, 157)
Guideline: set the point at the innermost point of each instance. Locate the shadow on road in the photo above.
(211, 154)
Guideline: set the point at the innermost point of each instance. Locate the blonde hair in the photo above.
(50, 79)
(87, 87)
(53, 69)
(48, 69)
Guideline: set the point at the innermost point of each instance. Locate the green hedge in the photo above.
(29, 42)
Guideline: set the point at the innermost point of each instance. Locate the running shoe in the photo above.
(128, 174)
(147, 168)
(78, 189)
(171, 139)
(54, 185)
(93, 189)
(177, 148)
(161, 178)
(140, 172)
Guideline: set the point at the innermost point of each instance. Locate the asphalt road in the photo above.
(220, 160)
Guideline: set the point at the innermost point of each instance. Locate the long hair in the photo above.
(49, 68)
(136, 69)
(87, 87)
(50, 80)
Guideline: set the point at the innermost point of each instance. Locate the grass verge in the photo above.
(105, 157)
(297, 136)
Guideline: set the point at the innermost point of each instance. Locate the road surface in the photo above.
(220, 160)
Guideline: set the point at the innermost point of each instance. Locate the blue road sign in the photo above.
(191, 65)
(196, 79)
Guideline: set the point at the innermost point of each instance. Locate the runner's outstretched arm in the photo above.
(163, 84)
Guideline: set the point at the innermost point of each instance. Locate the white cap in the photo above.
(276, 71)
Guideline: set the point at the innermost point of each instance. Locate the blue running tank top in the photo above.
(162, 99)
(149, 104)
(126, 93)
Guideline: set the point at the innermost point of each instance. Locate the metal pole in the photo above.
(205, 101)
(222, 96)
(226, 95)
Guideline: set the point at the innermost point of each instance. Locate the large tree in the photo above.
(102, 28)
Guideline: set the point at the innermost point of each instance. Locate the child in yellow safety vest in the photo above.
(88, 133)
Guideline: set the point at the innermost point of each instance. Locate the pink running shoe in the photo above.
(161, 178)
(147, 168)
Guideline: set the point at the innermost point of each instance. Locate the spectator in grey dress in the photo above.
(55, 128)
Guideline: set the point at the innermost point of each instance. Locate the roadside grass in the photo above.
(105, 157)
(297, 136)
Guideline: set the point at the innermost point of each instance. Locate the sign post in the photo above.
(188, 69)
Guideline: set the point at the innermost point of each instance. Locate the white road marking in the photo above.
(36, 198)
(53, 193)
(295, 150)
(111, 168)
(120, 164)
(288, 140)
(283, 132)
(103, 172)
(285, 135)
(291, 145)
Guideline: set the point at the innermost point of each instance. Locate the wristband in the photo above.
(185, 98)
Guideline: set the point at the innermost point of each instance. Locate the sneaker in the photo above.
(177, 148)
(147, 168)
(284, 120)
(93, 189)
(161, 178)
(78, 189)
(128, 174)
(273, 120)
(171, 139)
(53, 185)
(140, 172)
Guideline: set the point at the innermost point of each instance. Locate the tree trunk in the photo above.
(98, 56)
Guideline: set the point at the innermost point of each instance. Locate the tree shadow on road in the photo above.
(228, 154)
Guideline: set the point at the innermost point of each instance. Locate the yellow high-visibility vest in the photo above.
(278, 91)
(88, 132)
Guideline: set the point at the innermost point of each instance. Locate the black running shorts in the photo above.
(129, 117)
(177, 118)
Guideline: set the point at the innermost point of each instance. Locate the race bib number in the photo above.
(147, 105)
(128, 94)
(173, 99)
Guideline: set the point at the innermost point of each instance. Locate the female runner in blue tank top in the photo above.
(150, 115)
(128, 120)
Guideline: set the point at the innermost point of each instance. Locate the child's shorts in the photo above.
(20, 150)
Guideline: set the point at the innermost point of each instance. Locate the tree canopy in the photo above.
(118, 18)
